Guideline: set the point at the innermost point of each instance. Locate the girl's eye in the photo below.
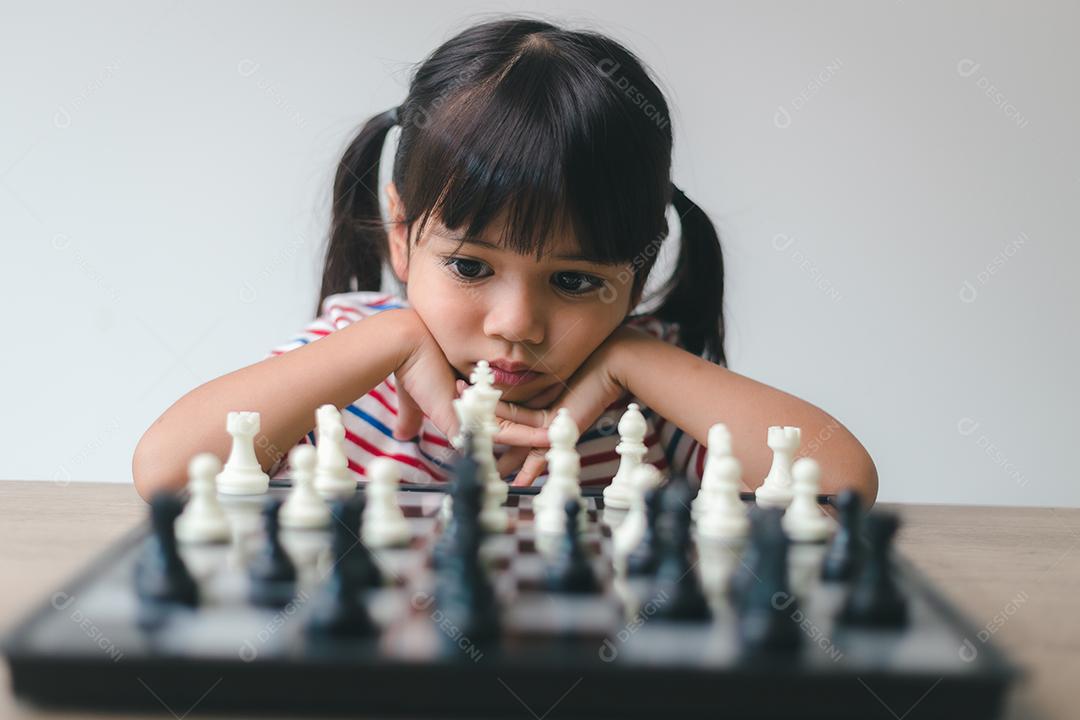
(465, 268)
(575, 283)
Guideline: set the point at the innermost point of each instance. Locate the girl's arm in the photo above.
(694, 394)
(285, 390)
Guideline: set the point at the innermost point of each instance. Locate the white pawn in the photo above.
(631, 448)
(303, 509)
(563, 437)
(775, 491)
(563, 434)
(724, 517)
(332, 475)
(564, 469)
(629, 534)
(718, 445)
(384, 524)
(242, 474)
(803, 521)
(203, 520)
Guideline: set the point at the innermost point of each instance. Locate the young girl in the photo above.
(529, 199)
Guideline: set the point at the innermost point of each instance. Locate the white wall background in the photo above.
(896, 185)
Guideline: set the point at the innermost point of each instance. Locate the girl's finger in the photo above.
(410, 417)
(533, 468)
(522, 415)
(511, 460)
(511, 433)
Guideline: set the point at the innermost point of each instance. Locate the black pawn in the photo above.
(874, 599)
(272, 575)
(645, 558)
(746, 574)
(351, 557)
(572, 572)
(466, 491)
(463, 592)
(767, 607)
(339, 609)
(842, 557)
(161, 577)
(678, 588)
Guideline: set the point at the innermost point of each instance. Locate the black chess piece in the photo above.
(463, 592)
(767, 607)
(466, 493)
(348, 551)
(271, 574)
(161, 577)
(644, 559)
(874, 599)
(745, 574)
(339, 609)
(679, 595)
(842, 557)
(572, 572)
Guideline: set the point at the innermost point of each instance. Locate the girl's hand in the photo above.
(425, 383)
(593, 387)
(426, 386)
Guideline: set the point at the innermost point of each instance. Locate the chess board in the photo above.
(557, 656)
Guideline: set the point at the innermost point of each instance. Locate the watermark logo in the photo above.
(783, 601)
(968, 427)
(786, 244)
(969, 291)
(784, 115)
(609, 648)
(968, 650)
(967, 68)
(61, 601)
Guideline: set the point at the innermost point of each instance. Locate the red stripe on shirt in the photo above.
(378, 396)
(435, 439)
(365, 445)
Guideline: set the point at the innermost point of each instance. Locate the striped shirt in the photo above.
(429, 457)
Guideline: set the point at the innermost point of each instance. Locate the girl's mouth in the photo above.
(504, 377)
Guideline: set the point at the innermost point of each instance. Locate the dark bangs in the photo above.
(546, 132)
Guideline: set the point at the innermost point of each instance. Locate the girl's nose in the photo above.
(515, 320)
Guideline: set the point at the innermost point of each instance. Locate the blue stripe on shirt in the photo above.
(371, 421)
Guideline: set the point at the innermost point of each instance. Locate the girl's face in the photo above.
(481, 302)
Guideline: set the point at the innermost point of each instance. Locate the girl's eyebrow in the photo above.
(492, 246)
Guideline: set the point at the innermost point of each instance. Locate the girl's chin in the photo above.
(542, 399)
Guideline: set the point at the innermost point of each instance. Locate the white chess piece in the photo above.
(332, 475)
(564, 471)
(203, 520)
(803, 521)
(303, 509)
(242, 474)
(563, 435)
(629, 534)
(631, 448)
(776, 490)
(724, 516)
(718, 445)
(384, 524)
(476, 415)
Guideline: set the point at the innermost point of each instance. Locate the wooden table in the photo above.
(1014, 571)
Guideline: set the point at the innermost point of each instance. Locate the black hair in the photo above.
(559, 129)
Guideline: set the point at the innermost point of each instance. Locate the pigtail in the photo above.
(358, 241)
(696, 288)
